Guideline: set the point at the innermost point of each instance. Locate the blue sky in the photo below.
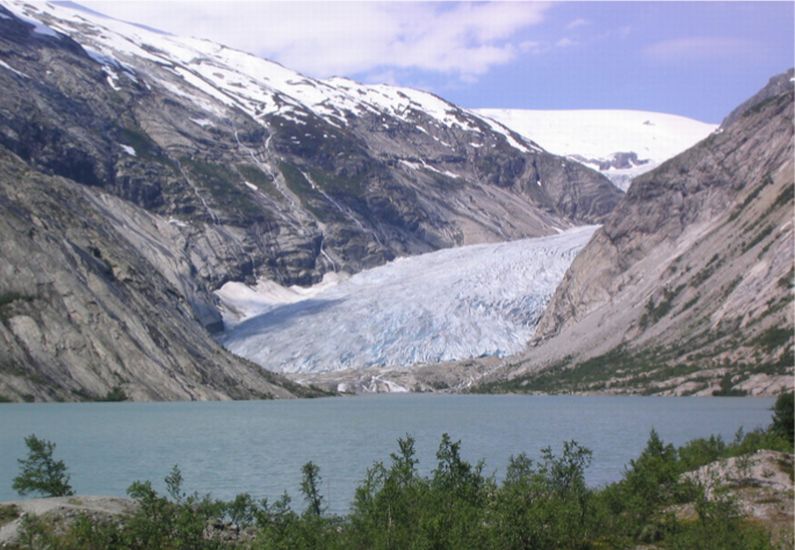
(693, 59)
(698, 59)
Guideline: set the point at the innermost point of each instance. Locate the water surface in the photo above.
(259, 446)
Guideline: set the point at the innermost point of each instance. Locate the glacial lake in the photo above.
(259, 446)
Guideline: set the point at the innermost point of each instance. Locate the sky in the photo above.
(697, 59)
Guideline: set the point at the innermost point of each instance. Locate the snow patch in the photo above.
(203, 122)
(127, 149)
(12, 69)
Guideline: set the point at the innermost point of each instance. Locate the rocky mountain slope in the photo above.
(85, 315)
(621, 144)
(178, 165)
(687, 288)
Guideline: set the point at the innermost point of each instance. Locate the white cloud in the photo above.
(576, 23)
(699, 48)
(326, 38)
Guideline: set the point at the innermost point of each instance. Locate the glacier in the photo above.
(470, 301)
(596, 137)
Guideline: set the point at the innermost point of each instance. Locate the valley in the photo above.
(196, 222)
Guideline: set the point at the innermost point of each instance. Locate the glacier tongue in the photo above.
(446, 305)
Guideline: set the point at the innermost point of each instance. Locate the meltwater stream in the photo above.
(225, 448)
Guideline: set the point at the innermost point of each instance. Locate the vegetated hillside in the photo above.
(687, 288)
(621, 144)
(197, 165)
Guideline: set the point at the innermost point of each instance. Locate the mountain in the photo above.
(178, 165)
(687, 288)
(621, 144)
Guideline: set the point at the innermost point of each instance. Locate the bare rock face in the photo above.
(85, 315)
(140, 171)
(687, 288)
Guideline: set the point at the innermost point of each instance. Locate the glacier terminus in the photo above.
(451, 304)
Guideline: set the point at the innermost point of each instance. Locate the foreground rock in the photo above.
(761, 484)
(59, 512)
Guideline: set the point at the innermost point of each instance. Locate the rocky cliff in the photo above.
(141, 171)
(687, 288)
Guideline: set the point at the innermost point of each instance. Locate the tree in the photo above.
(784, 415)
(309, 487)
(40, 472)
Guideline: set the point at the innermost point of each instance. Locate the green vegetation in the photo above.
(713, 265)
(7, 299)
(337, 185)
(10, 297)
(759, 237)
(542, 503)
(774, 338)
(784, 416)
(751, 197)
(115, 394)
(226, 189)
(40, 472)
(255, 176)
(8, 513)
(139, 140)
(655, 312)
(785, 197)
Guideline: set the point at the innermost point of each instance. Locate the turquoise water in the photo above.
(259, 446)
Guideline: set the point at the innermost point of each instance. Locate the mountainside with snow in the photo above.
(447, 305)
(203, 165)
(621, 144)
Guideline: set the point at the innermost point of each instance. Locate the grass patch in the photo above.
(225, 188)
(337, 185)
(255, 176)
(8, 513)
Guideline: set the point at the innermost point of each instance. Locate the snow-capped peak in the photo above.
(215, 77)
